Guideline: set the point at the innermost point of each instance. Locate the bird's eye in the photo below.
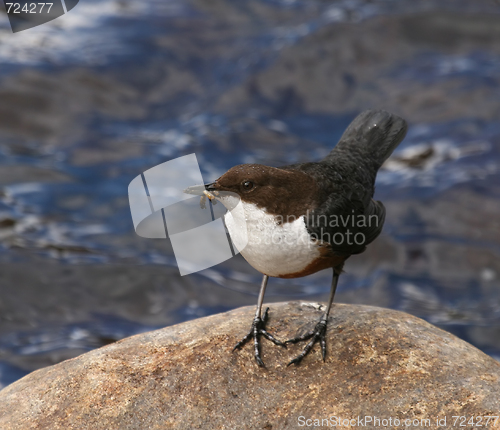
(247, 185)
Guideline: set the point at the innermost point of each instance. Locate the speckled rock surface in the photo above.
(381, 364)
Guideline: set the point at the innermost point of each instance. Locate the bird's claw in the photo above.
(317, 334)
(256, 331)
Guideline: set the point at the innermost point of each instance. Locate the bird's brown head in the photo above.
(279, 191)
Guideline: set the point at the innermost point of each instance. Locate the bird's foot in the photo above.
(317, 334)
(256, 331)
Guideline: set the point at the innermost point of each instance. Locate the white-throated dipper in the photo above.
(308, 217)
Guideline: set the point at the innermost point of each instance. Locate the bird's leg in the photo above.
(258, 327)
(319, 331)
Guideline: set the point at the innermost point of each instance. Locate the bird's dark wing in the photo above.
(346, 225)
(346, 218)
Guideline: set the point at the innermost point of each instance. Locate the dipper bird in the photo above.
(307, 217)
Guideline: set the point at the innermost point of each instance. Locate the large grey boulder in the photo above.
(381, 365)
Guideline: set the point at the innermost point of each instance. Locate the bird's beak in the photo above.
(198, 190)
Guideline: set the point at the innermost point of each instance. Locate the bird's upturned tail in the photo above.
(375, 133)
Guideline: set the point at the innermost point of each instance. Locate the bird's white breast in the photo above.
(274, 248)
